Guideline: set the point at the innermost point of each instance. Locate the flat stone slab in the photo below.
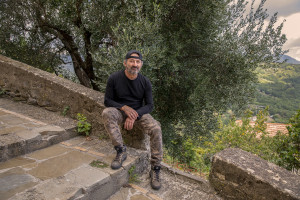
(15, 180)
(20, 134)
(64, 171)
(15, 162)
(58, 166)
(78, 183)
(36, 113)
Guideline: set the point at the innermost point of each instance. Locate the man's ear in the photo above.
(124, 63)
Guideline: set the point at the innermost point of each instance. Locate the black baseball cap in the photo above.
(128, 55)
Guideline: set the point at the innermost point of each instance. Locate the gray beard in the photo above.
(133, 72)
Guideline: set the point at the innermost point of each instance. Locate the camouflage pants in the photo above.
(113, 118)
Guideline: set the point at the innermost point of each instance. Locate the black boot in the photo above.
(120, 157)
(154, 177)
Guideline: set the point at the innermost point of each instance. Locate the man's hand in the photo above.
(130, 112)
(128, 125)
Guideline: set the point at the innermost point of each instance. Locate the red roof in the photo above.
(272, 128)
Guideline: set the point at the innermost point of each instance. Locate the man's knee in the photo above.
(156, 130)
(110, 113)
(150, 125)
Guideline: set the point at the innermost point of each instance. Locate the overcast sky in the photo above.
(290, 11)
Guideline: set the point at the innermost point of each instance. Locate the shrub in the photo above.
(289, 145)
(82, 125)
(282, 149)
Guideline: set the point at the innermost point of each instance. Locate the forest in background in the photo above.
(278, 88)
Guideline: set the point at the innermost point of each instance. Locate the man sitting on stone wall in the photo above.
(128, 99)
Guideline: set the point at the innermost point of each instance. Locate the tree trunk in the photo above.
(83, 68)
(80, 73)
(89, 69)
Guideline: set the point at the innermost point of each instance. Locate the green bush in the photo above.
(250, 138)
(82, 125)
(289, 145)
(282, 149)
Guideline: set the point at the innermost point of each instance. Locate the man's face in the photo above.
(133, 65)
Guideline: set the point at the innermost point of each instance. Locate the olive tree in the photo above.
(53, 28)
(201, 57)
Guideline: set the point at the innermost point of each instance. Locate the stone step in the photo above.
(176, 184)
(74, 169)
(20, 134)
(37, 113)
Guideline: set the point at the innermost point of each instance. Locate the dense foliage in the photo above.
(47, 30)
(279, 88)
(283, 149)
(289, 145)
(201, 58)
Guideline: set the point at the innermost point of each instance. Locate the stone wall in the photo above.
(26, 83)
(237, 174)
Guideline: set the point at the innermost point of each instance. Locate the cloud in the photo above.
(288, 10)
(294, 53)
(291, 26)
(283, 7)
(292, 43)
(292, 31)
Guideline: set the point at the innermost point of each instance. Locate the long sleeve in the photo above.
(109, 100)
(148, 100)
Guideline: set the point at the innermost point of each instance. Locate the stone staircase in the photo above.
(43, 158)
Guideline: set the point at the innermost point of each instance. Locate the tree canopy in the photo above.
(53, 28)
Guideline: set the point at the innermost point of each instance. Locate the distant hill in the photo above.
(280, 90)
(289, 59)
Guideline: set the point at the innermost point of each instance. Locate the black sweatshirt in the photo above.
(136, 93)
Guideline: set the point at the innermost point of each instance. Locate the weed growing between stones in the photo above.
(2, 92)
(133, 177)
(65, 111)
(98, 164)
(103, 137)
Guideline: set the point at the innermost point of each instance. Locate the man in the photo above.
(128, 98)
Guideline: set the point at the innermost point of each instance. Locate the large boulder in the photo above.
(237, 174)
